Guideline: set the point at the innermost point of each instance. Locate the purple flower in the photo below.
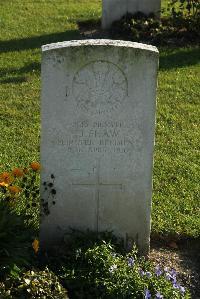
(176, 285)
(182, 290)
(174, 281)
(147, 294)
(159, 296)
(141, 272)
(166, 269)
(148, 274)
(112, 268)
(131, 261)
(168, 276)
(171, 276)
(158, 271)
(173, 273)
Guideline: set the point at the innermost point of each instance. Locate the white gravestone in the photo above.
(114, 10)
(98, 119)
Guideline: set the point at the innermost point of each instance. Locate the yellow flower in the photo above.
(18, 172)
(14, 189)
(35, 166)
(3, 184)
(35, 245)
(6, 177)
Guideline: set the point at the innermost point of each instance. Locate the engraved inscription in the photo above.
(99, 87)
(118, 137)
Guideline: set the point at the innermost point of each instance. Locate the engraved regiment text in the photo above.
(100, 137)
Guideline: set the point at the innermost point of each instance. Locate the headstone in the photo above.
(98, 119)
(114, 10)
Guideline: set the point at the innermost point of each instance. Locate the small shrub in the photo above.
(179, 26)
(4, 294)
(102, 270)
(19, 202)
(185, 17)
(181, 8)
(35, 284)
(128, 277)
(19, 188)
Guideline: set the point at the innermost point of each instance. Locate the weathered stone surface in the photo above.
(113, 10)
(98, 119)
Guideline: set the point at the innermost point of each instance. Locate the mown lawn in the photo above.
(24, 27)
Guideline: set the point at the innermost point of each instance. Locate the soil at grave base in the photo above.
(93, 30)
(185, 259)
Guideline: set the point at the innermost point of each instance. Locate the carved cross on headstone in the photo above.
(98, 185)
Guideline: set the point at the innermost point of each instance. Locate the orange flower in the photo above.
(6, 177)
(35, 166)
(18, 172)
(14, 189)
(35, 245)
(3, 184)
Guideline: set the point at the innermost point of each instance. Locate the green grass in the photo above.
(24, 27)
(176, 206)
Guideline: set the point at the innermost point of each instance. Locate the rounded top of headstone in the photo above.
(99, 42)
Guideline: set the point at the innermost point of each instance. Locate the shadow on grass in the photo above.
(14, 80)
(9, 75)
(89, 24)
(17, 75)
(177, 58)
(34, 66)
(36, 41)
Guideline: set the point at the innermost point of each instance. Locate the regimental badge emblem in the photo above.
(99, 87)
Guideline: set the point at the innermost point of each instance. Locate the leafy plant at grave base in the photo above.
(18, 195)
(101, 269)
(34, 284)
(181, 8)
(15, 245)
(136, 27)
(182, 25)
(185, 15)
